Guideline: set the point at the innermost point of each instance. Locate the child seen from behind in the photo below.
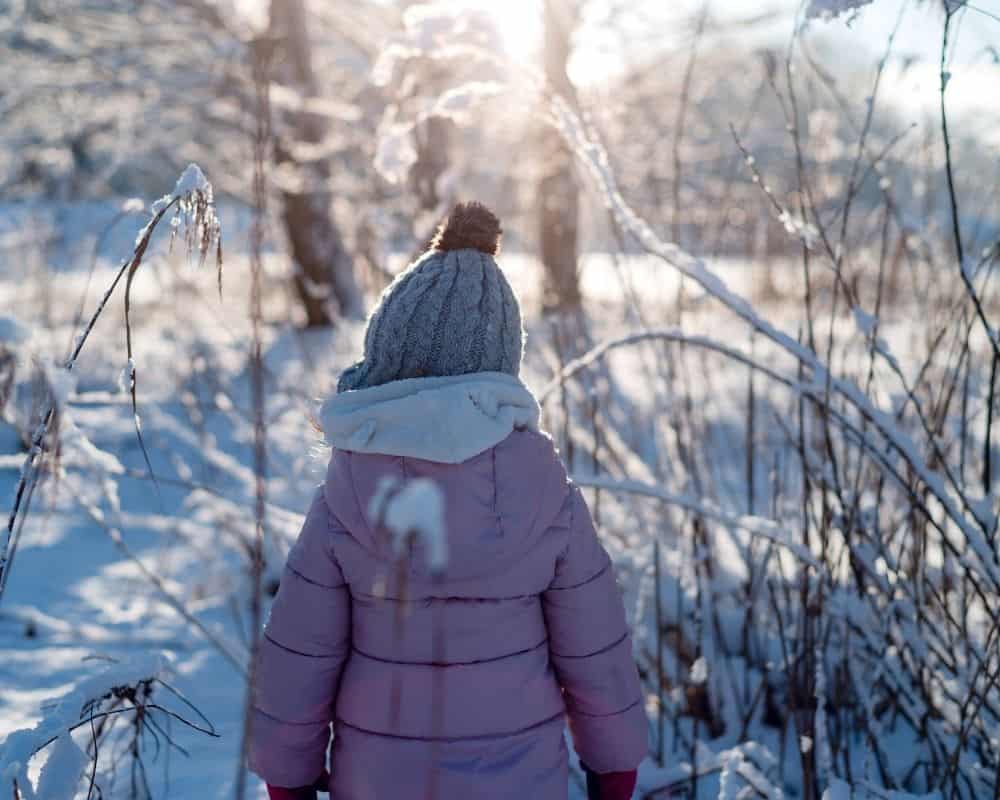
(461, 688)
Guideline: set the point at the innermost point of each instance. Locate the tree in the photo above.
(138, 90)
(558, 203)
(324, 269)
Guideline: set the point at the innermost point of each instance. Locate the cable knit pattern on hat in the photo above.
(451, 312)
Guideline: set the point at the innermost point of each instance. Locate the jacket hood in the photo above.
(442, 419)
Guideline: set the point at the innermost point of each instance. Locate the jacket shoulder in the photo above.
(340, 491)
(530, 474)
(533, 443)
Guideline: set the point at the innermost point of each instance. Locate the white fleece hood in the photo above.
(446, 419)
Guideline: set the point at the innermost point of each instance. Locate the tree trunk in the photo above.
(433, 139)
(558, 201)
(324, 271)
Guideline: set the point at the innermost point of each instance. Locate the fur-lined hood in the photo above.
(446, 419)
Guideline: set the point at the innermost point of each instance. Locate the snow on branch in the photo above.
(191, 180)
(433, 31)
(830, 9)
(413, 510)
(121, 687)
(395, 151)
(435, 27)
(458, 102)
(814, 388)
(195, 215)
(596, 162)
(755, 526)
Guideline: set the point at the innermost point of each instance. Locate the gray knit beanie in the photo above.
(451, 312)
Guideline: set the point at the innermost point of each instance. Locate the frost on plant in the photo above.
(395, 152)
(413, 510)
(195, 216)
(457, 103)
(432, 33)
(94, 710)
(799, 228)
(431, 30)
(193, 199)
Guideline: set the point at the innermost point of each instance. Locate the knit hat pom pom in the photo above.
(470, 226)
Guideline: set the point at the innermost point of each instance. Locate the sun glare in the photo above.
(519, 23)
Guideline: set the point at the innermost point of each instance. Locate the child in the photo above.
(461, 693)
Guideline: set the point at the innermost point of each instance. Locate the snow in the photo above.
(127, 376)
(458, 102)
(61, 382)
(106, 566)
(830, 9)
(729, 783)
(824, 756)
(64, 768)
(797, 227)
(593, 156)
(395, 152)
(133, 205)
(699, 671)
(430, 24)
(110, 571)
(191, 180)
(413, 508)
(756, 526)
(837, 790)
(13, 332)
(817, 510)
(866, 323)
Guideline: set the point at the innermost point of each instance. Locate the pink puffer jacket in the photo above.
(465, 693)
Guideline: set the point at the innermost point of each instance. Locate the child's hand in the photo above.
(322, 784)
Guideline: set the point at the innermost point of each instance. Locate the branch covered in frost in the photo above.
(432, 32)
(95, 703)
(395, 151)
(755, 526)
(594, 158)
(193, 199)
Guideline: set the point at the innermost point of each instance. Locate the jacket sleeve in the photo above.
(303, 649)
(591, 649)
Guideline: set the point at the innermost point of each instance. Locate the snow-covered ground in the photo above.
(115, 565)
(74, 593)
